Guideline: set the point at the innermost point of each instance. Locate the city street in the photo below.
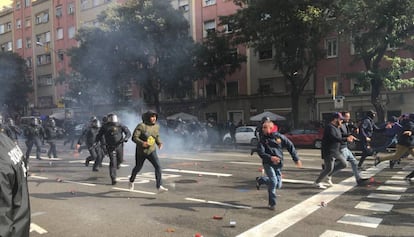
(213, 193)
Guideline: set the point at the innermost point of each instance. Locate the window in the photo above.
(228, 28)
(28, 22)
(29, 62)
(27, 3)
(211, 90)
(232, 56)
(209, 26)
(45, 17)
(18, 4)
(265, 54)
(59, 33)
(18, 24)
(9, 46)
(95, 3)
(184, 8)
(19, 43)
(58, 11)
(45, 80)
(71, 8)
(45, 101)
(331, 46)
(71, 32)
(84, 4)
(1, 29)
(38, 19)
(43, 59)
(265, 86)
(47, 37)
(8, 26)
(232, 88)
(332, 86)
(28, 43)
(61, 55)
(209, 2)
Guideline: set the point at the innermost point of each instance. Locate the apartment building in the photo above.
(335, 68)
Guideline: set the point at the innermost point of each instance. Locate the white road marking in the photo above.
(293, 215)
(196, 172)
(295, 181)
(330, 233)
(73, 182)
(185, 158)
(399, 177)
(38, 229)
(245, 163)
(396, 182)
(134, 191)
(92, 162)
(37, 214)
(358, 220)
(373, 206)
(37, 177)
(45, 158)
(392, 189)
(218, 203)
(393, 197)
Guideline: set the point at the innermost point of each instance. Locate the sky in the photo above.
(5, 3)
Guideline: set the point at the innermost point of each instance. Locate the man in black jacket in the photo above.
(14, 196)
(89, 137)
(331, 154)
(366, 130)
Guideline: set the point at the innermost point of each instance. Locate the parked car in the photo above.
(306, 137)
(244, 135)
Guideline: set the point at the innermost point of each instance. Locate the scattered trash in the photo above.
(59, 180)
(232, 223)
(323, 204)
(72, 192)
(170, 230)
(199, 175)
(217, 217)
(198, 235)
(372, 180)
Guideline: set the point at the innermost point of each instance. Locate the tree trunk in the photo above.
(376, 101)
(294, 97)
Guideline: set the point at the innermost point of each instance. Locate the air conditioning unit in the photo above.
(339, 102)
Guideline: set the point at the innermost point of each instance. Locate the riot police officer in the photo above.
(89, 137)
(115, 135)
(52, 132)
(34, 134)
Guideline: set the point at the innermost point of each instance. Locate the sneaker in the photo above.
(257, 183)
(377, 160)
(323, 166)
(131, 186)
(272, 208)
(362, 181)
(113, 182)
(95, 170)
(161, 189)
(87, 162)
(320, 185)
(329, 181)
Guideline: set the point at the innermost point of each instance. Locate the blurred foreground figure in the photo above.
(147, 135)
(14, 196)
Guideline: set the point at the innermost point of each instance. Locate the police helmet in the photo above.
(52, 122)
(96, 123)
(265, 119)
(112, 118)
(34, 121)
(10, 122)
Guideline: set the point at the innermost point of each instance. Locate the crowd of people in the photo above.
(106, 137)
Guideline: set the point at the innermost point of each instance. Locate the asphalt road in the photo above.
(213, 193)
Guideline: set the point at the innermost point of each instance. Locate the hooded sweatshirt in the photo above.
(145, 132)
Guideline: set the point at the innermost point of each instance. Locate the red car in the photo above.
(306, 137)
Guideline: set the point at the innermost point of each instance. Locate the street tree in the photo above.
(14, 83)
(379, 29)
(143, 42)
(294, 29)
(216, 58)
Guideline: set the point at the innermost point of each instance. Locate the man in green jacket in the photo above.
(146, 135)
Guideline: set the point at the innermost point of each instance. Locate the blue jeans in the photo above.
(273, 180)
(351, 159)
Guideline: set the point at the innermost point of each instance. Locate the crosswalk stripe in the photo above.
(134, 191)
(374, 206)
(334, 233)
(218, 203)
(392, 189)
(396, 182)
(196, 172)
(365, 221)
(386, 196)
(282, 221)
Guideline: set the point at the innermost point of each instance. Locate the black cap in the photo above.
(337, 115)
